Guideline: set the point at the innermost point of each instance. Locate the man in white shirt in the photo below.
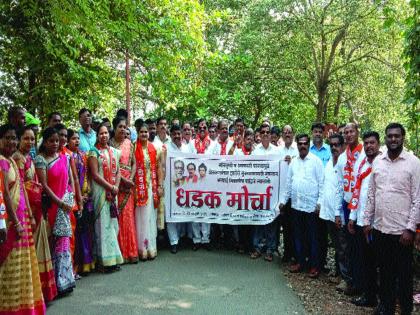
(331, 203)
(267, 231)
(346, 163)
(243, 146)
(305, 181)
(222, 144)
(162, 138)
(176, 145)
(288, 151)
(222, 235)
(364, 275)
(202, 145)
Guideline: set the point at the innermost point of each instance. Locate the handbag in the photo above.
(113, 209)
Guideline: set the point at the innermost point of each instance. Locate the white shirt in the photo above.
(341, 163)
(218, 147)
(159, 143)
(185, 148)
(305, 181)
(358, 214)
(284, 166)
(331, 200)
(270, 150)
(2, 224)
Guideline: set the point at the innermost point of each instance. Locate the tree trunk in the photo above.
(321, 109)
(127, 88)
(257, 113)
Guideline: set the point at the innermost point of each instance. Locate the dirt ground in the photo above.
(319, 296)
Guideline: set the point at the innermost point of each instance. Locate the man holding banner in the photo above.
(235, 190)
(176, 145)
(267, 231)
(203, 145)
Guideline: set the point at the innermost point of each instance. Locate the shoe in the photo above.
(380, 310)
(341, 286)
(207, 247)
(174, 249)
(314, 273)
(195, 247)
(296, 268)
(255, 254)
(364, 301)
(268, 257)
(350, 291)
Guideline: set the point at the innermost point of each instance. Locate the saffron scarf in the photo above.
(201, 145)
(223, 147)
(360, 177)
(141, 183)
(245, 151)
(109, 169)
(348, 168)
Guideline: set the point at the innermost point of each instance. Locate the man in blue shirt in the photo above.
(318, 147)
(86, 133)
(323, 152)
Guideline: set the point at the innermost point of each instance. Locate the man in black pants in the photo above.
(391, 216)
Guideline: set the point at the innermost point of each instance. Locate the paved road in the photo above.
(217, 282)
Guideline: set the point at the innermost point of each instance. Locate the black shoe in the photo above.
(195, 247)
(207, 246)
(364, 301)
(381, 310)
(174, 249)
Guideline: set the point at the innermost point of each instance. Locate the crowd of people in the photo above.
(74, 201)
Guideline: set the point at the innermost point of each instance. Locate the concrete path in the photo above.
(216, 282)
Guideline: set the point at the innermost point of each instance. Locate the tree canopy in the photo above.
(293, 61)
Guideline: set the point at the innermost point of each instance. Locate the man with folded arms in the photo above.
(305, 180)
(391, 216)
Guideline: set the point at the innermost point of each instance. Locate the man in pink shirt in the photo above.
(390, 218)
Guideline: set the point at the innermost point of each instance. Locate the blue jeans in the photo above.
(305, 236)
(268, 232)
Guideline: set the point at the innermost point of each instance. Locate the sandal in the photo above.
(255, 254)
(268, 257)
(296, 268)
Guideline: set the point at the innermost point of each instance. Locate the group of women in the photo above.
(69, 212)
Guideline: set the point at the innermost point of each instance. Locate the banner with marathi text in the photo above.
(222, 189)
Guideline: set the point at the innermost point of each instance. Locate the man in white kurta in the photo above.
(176, 145)
(267, 231)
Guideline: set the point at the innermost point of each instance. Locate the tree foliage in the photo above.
(293, 61)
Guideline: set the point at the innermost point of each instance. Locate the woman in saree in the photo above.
(20, 285)
(104, 170)
(149, 189)
(84, 234)
(33, 188)
(54, 173)
(62, 149)
(127, 227)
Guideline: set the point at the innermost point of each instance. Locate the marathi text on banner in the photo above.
(222, 189)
